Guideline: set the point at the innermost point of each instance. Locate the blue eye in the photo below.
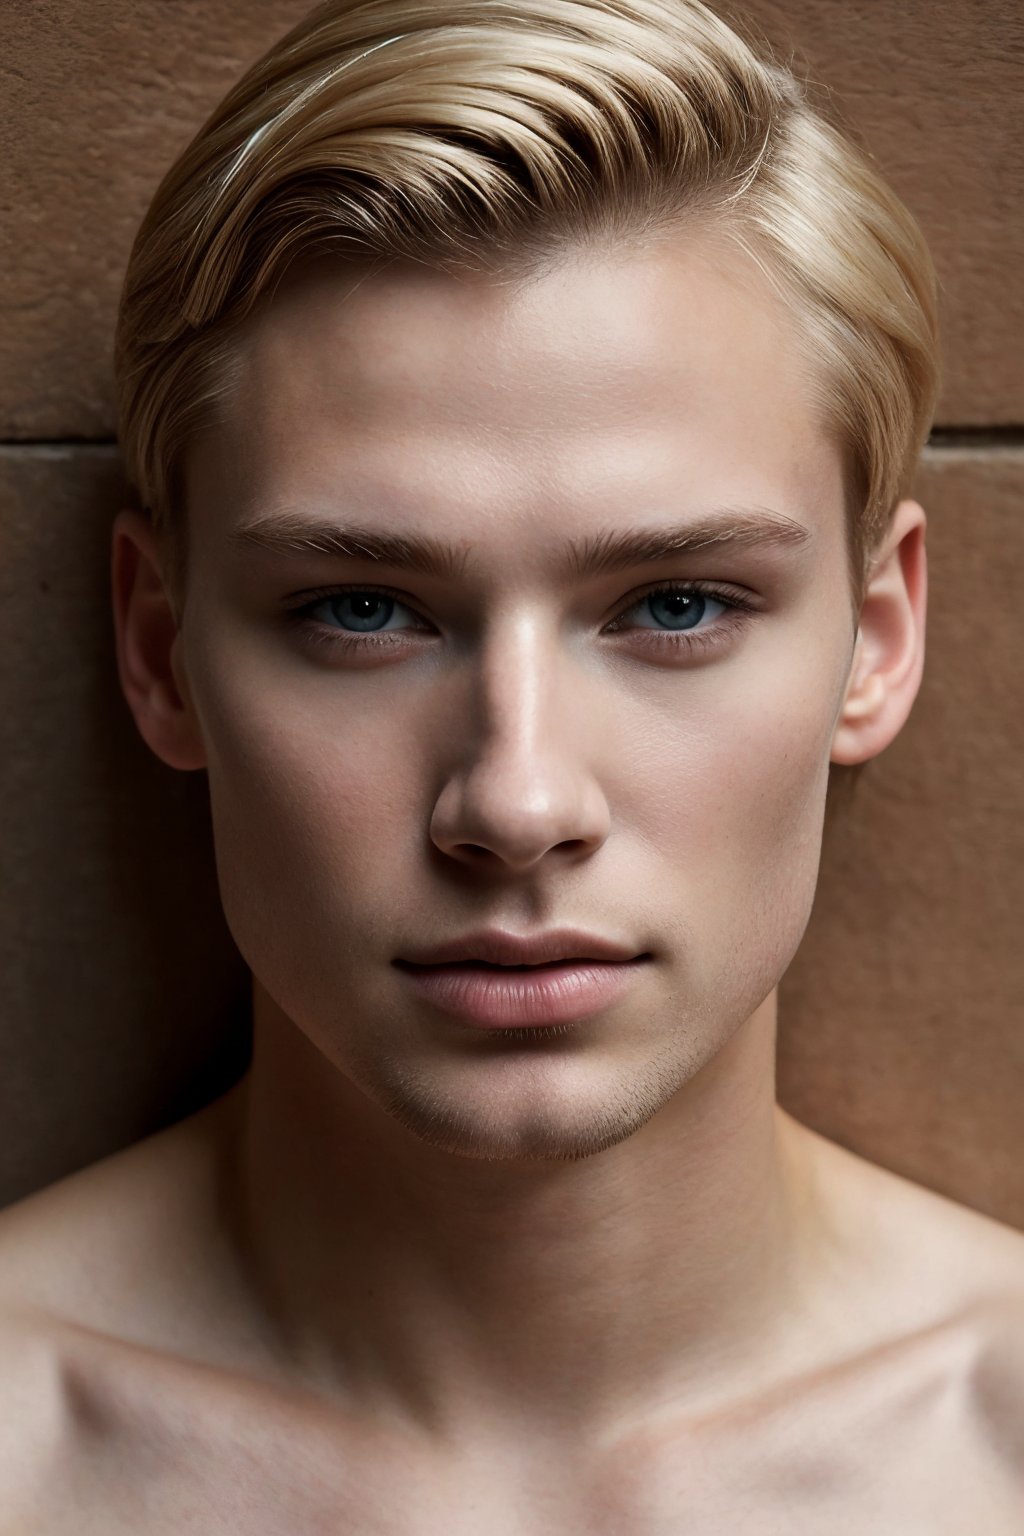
(360, 610)
(687, 616)
(680, 608)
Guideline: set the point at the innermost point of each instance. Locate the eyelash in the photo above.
(739, 611)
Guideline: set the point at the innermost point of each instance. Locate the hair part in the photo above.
(490, 136)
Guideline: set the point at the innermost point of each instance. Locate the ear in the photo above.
(149, 646)
(888, 657)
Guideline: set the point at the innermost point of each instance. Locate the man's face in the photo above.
(515, 744)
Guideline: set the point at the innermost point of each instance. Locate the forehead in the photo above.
(669, 376)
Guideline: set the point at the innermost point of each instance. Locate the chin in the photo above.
(532, 1115)
(528, 1140)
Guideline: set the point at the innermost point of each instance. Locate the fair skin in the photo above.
(410, 1276)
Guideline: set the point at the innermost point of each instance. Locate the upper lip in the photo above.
(500, 947)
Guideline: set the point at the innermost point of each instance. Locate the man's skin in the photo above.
(411, 1275)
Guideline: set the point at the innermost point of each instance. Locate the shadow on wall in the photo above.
(125, 1001)
(900, 1019)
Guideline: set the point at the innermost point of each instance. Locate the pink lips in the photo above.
(494, 998)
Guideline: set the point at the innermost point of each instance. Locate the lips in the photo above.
(501, 947)
(498, 996)
(544, 965)
(495, 978)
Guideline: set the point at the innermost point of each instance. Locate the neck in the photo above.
(454, 1291)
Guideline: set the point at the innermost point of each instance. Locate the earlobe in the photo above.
(148, 638)
(888, 657)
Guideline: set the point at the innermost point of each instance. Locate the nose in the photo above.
(522, 784)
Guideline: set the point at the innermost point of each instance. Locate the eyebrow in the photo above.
(284, 533)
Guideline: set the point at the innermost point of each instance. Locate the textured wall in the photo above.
(122, 997)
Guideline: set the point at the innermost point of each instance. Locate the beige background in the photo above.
(122, 999)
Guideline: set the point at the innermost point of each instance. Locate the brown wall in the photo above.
(123, 1000)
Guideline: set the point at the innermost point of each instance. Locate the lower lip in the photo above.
(503, 999)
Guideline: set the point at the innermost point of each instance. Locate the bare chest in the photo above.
(152, 1451)
(928, 1476)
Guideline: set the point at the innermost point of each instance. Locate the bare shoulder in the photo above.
(105, 1275)
(105, 1249)
(949, 1273)
(949, 1253)
(82, 1248)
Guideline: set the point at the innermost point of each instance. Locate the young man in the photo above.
(522, 401)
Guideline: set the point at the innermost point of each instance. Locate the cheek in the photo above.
(735, 811)
(311, 820)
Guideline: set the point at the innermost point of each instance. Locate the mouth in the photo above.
(508, 950)
(489, 995)
(494, 965)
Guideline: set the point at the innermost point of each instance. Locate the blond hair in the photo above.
(490, 135)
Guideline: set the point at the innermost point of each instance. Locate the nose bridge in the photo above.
(517, 685)
(522, 782)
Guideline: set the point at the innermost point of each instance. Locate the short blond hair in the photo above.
(487, 135)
